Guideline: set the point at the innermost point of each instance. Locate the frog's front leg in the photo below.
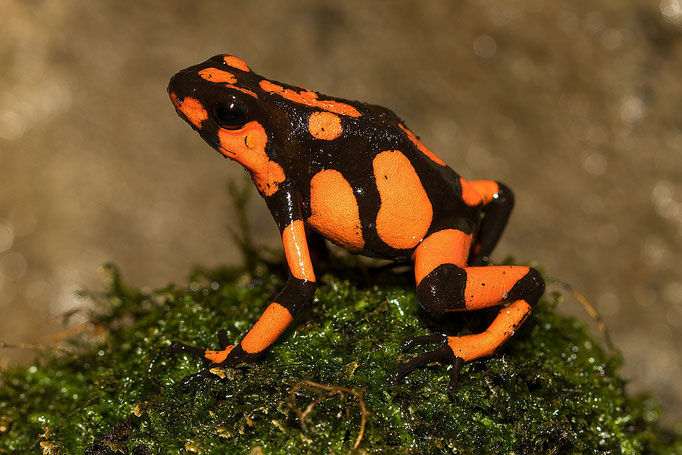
(298, 290)
(446, 284)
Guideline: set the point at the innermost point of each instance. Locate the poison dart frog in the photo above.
(354, 174)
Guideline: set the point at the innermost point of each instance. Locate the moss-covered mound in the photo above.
(552, 389)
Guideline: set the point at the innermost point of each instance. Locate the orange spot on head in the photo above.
(247, 147)
(309, 98)
(270, 87)
(217, 76)
(191, 108)
(449, 246)
(236, 62)
(335, 211)
(325, 125)
(469, 193)
(296, 251)
(422, 148)
(274, 320)
(405, 213)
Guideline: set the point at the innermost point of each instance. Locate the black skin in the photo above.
(302, 156)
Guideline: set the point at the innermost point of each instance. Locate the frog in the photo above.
(355, 175)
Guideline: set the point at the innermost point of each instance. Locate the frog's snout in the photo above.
(175, 86)
(188, 107)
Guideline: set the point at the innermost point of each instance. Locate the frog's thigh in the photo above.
(444, 283)
(405, 212)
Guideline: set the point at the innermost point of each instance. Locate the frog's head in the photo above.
(220, 99)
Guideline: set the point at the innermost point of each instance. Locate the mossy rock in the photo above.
(551, 389)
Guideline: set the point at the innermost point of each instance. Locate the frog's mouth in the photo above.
(226, 153)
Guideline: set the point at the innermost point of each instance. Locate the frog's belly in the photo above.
(334, 210)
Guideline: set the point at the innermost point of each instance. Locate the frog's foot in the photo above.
(445, 352)
(459, 349)
(226, 357)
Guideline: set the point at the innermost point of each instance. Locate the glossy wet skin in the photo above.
(354, 174)
(346, 137)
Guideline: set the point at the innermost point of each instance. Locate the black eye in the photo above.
(229, 116)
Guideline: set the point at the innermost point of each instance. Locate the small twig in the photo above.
(66, 333)
(330, 392)
(33, 347)
(240, 195)
(591, 310)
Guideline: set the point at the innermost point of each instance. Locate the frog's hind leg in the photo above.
(498, 202)
(446, 284)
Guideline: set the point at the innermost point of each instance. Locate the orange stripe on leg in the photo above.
(296, 251)
(470, 347)
(487, 286)
(274, 320)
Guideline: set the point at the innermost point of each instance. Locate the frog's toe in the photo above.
(177, 346)
(443, 353)
(454, 374)
(219, 359)
(222, 339)
(214, 356)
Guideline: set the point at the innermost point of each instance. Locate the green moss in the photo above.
(551, 389)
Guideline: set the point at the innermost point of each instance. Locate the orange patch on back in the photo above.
(449, 246)
(296, 251)
(422, 148)
(335, 211)
(405, 213)
(236, 62)
(274, 320)
(191, 108)
(309, 98)
(469, 193)
(217, 76)
(487, 189)
(247, 147)
(325, 125)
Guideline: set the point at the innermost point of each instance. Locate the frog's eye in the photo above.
(229, 116)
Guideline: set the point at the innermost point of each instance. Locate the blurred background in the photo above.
(576, 105)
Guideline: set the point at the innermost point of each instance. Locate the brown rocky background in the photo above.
(577, 106)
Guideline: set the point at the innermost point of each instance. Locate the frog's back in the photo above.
(364, 180)
(375, 188)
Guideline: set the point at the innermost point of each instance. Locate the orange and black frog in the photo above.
(354, 174)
